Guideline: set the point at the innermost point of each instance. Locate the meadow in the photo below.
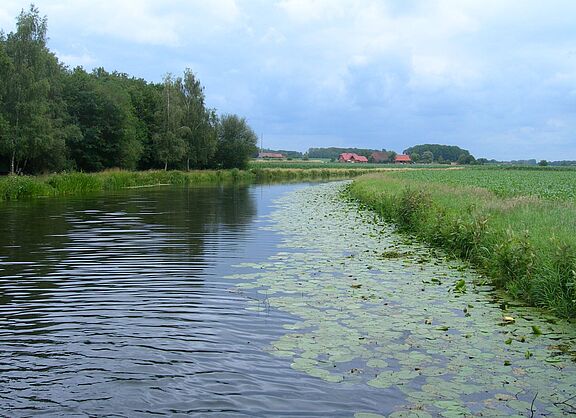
(518, 227)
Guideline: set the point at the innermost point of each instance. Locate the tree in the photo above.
(5, 71)
(236, 142)
(171, 148)
(427, 157)
(449, 153)
(30, 110)
(333, 152)
(170, 145)
(543, 163)
(111, 135)
(466, 159)
(200, 137)
(415, 157)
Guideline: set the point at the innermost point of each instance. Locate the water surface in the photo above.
(117, 305)
(251, 301)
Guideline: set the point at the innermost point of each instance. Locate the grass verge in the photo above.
(525, 245)
(18, 187)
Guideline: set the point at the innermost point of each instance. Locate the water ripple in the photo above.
(117, 305)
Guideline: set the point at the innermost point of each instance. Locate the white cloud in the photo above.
(167, 23)
(436, 71)
(83, 59)
(127, 20)
(273, 36)
(305, 11)
(408, 67)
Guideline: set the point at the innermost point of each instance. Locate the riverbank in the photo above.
(18, 187)
(523, 244)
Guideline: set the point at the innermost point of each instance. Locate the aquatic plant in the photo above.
(371, 308)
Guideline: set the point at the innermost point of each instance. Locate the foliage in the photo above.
(450, 153)
(236, 142)
(427, 157)
(31, 109)
(53, 118)
(199, 122)
(319, 164)
(19, 187)
(271, 174)
(334, 153)
(518, 229)
(288, 154)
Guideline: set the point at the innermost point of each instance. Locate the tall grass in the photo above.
(282, 174)
(525, 245)
(18, 187)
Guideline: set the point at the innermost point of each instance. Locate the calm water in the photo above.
(117, 305)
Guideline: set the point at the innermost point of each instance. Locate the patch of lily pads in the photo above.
(375, 309)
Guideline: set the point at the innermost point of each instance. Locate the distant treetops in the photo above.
(53, 118)
(441, 154)
(424, 154)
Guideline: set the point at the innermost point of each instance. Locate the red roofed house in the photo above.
(403, 159)
(270, 155)
(350, 157)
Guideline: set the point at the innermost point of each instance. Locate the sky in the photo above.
(496, 77)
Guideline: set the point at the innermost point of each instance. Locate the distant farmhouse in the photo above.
(402, 159)
(350, 157)
(270, 155)
(380, 157)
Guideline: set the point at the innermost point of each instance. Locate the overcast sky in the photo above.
(497, 77)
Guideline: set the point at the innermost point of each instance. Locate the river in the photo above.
(262, 300)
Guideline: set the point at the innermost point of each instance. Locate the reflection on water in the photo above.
(116, 304)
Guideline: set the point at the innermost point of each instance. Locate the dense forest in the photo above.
(428, 153)
(53, 118)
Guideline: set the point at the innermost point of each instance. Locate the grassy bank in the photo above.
(18, 187)
(524, 242)
(310, 173)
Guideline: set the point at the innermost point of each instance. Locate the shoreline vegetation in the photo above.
(523, 242)
(19, 187)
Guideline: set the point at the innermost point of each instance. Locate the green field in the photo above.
(518, 227)
(545, 184)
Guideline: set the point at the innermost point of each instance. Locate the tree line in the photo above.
(333, 152)
(428, 153)
(53, 118)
